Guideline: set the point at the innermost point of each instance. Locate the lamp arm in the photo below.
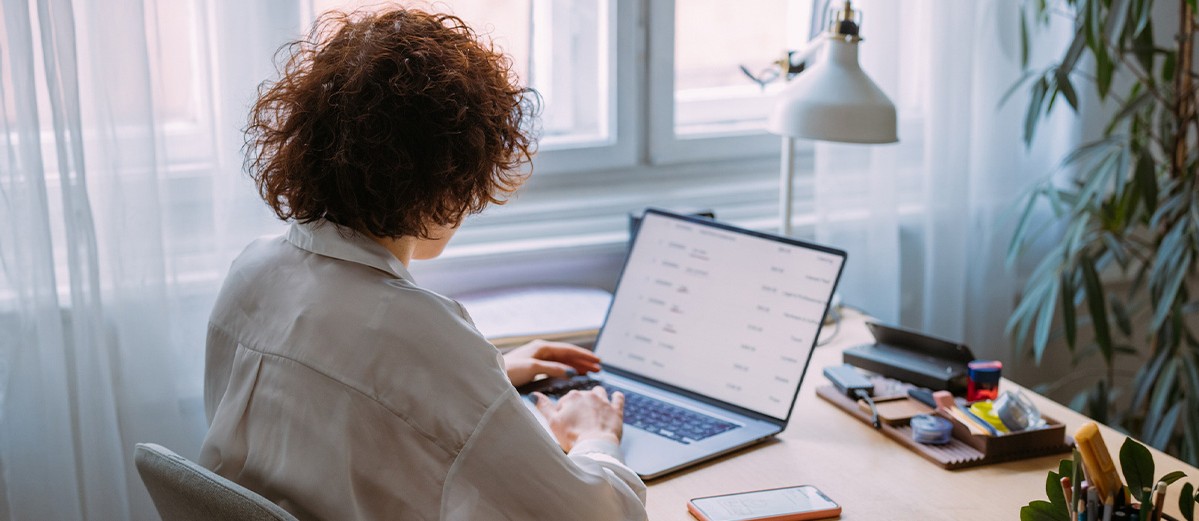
(799, 60)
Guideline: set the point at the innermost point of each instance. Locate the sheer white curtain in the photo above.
(121, 205)
(927, 221)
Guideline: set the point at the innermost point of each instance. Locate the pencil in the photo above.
(1159, 497)
(1068, 492)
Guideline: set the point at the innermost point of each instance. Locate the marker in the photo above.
(1101, 471)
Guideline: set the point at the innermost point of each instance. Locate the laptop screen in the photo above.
(722, 312)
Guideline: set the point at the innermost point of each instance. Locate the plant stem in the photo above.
(1184, 97)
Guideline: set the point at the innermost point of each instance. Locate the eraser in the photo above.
(944, 399)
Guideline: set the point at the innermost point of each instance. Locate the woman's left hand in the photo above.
(549, 358)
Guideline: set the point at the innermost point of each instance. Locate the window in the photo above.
(560, 49)
(712, 43)
(644, 104)
(703, 106)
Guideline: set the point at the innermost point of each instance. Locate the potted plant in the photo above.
(1137, 464)
(1131, 210)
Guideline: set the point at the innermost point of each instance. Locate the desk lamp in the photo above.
(830, 100)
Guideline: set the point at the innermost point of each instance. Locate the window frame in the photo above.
(620, 148)
(666, 144)
(578, 198)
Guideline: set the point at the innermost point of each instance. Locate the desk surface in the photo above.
(869, 475)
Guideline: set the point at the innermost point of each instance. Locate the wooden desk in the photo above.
(869, 475)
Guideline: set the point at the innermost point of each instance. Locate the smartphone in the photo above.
(777, 504)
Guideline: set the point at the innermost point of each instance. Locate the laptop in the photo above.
(709, 334)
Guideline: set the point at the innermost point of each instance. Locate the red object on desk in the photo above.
(984, 380)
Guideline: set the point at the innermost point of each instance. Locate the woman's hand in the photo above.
(582, 415)
(550, 358)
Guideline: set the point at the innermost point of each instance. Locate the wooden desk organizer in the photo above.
(965, 450)
(1014, 443)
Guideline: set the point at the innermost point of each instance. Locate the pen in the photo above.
(1159, 497)
(1068, 493)
(1093, 502)
(1109, 505)
(1082, 501)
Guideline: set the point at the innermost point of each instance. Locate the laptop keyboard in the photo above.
(652, 415)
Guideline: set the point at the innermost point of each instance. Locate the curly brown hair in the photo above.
(389, 122)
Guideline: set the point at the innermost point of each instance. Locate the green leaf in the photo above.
(1035, 291)
(1113, 28)
(1117, 249)
(1174, 262)
(1090, 23)
(1068, 320)
(1137, 463)
(1027, 75)
(1143, 384)
(1073, 53)
(1170, 478)
(1143, 45)
(1043, 511)
(1026, 217)
(1095, 302)
(1065, 468)
(1066, 88)
(1045, 319)
(1104, 72)
(1186, 502)
(1192, 376)
(1023, 40)
(1039, 90)
(1120, 313)
(1163, 392)
(1145, 177)
(1130, 107)
(1053, 489)
(1169, 65)
(1143, 14)
(1165, 429)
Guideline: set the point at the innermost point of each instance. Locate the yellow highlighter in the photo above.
(1101, 471)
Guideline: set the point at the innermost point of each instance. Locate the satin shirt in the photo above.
(339, 389)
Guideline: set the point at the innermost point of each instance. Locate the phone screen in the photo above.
(764, 503)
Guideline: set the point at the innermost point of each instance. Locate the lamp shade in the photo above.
(834, 100)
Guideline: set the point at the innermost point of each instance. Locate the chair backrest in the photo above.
(185, 491)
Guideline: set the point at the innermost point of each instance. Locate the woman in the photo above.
(337, 387)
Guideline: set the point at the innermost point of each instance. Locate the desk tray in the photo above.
(965, 449)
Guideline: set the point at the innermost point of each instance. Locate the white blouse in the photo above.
(337, 388)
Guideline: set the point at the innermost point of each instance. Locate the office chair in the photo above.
(185, 491)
